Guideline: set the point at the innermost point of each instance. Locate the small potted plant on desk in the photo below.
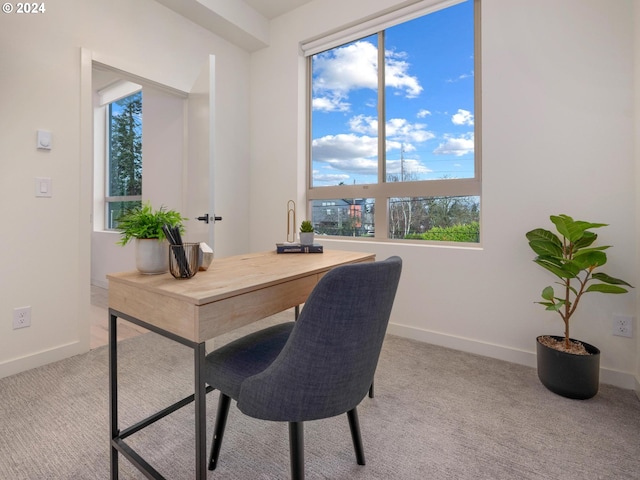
(144, 224)
(306, 233)
(566, 366)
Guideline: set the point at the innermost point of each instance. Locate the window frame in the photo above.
(121, 90)
(383, 191)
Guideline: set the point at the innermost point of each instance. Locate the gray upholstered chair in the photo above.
(320, 366)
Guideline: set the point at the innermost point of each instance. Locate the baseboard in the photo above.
(100, 283)
(637, 387)
(522, 357)
(38, 359)
(500, 352)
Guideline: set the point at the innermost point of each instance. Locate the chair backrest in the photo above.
(328, 363)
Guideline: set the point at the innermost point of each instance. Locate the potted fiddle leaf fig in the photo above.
(145, 225)
(566, 366)
(306, 233)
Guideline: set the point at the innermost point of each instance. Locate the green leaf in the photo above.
(542, 234)
(583, 251)
(603, 277)
(546, 248)
(548, 293)
(572, 229)
(587, 239)
(554, 268)
(546, 304)
(573, 267)
(590, 259)
(551, 307)
(604, 288)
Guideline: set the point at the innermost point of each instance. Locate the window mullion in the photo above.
(107, 163)
(381, 216)
(382, 130)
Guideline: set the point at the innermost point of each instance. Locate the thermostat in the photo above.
(44, 140)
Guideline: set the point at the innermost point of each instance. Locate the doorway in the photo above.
(177, 158)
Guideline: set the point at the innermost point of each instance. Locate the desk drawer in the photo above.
(225, 315)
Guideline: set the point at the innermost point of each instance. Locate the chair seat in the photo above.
(228, 366)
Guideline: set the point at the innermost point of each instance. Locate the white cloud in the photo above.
(423, 113)
(330, 104)
(331, 178)
(346, 151)
(463, 117)
(398, 129)
(364, 124)
(457, 146)
(357, 152)
(396, 75)
(346, 68)
(461, 77)
(411, 165)
(355, 66)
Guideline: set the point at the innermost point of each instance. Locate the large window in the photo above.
(393, 122)
(124, 157)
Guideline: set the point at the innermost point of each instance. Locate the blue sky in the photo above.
(429, 102)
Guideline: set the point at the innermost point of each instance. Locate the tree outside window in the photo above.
(124, 165)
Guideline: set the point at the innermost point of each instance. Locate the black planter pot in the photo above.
(569, 375)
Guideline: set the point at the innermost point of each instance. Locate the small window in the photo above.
(345, 217)
(124, 157)
(440, 219)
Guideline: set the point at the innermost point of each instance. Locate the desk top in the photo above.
(232, 276)
(233, 292)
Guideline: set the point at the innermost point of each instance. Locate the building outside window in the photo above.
(393, 128)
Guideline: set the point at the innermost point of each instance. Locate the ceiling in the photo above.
(248, 29)
(274, 8)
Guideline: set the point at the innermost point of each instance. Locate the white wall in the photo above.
(557, 112)
(47, 241)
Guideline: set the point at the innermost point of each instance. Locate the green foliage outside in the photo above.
(469, 232)
(435, 218)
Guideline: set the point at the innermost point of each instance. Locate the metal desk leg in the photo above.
(200, 412)
(113, 391)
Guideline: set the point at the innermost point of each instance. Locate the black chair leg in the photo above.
(296, 450)
(371, 390)
(354, 426)
(218, 432)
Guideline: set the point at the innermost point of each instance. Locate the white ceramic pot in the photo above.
(306, 238)
(152, 256)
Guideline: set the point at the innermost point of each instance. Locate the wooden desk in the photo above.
(233, 292)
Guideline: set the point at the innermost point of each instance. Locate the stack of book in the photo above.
(298, 248)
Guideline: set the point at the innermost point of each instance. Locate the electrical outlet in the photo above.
(623, 326)
(21, 317)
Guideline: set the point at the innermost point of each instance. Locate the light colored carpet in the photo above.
(438, 414)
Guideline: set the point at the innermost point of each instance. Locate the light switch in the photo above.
(44, 140)
(43, 187)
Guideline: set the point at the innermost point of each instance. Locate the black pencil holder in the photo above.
(184, 260)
